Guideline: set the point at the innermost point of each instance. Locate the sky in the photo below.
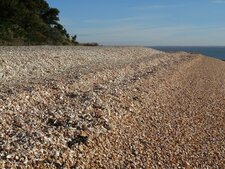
(145, 22)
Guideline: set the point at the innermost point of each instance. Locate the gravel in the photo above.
(110, 107)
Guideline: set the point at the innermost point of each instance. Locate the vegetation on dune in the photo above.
(31, 22)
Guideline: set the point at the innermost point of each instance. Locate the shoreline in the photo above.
(217, 52)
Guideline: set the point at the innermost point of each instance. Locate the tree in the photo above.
(30, 21)
(8, 9)
(74, 38)
(51, 16)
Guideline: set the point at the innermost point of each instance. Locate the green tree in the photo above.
(74, 38)
(30, 22)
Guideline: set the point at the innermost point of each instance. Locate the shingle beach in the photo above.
(110, 107)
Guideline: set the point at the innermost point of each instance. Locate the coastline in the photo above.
(123, 107)
(217, 52)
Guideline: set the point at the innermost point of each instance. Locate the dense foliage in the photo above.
(31, 22)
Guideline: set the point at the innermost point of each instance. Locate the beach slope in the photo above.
(110, 107)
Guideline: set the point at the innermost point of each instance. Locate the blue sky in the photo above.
(145, 22)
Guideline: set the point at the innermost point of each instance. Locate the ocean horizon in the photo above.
(217, 52)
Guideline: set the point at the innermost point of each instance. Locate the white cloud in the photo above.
(120, 20)
(218, 1)
(147, 7)
(134, 34)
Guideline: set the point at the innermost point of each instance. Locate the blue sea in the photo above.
(216, 52)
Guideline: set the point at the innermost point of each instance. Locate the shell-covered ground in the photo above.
(110, 107)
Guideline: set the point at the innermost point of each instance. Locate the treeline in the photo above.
(31, 22)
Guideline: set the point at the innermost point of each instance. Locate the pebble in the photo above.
(67, 121)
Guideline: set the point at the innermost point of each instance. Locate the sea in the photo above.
(215, 52)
